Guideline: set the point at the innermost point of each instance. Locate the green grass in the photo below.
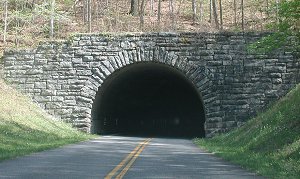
(25, 128)
(268, 144)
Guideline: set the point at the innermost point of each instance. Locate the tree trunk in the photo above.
(194, 8)
(201, 13)
(134, 7)
(97, 13)
(172, 14)
(243, 18)
(151, 7)
(210, 11)
(5, 21)
(142, 14)
(84, 11)
(234, 8)
(90, 16)
(159, 12)
(267, 8)
(138, 7)
(178, 11)
(52, 19)
(215, 14)
(277, 11)
(17, 16)
(221, 14)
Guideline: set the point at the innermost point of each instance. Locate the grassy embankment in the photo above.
(25, 128)
(268, 144)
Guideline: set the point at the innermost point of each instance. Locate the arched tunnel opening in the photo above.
(148, 99)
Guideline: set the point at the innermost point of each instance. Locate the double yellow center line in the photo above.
(127, 162)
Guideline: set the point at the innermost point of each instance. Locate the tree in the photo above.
(5, 21)
(214, 8)
(221, 14)
(194, 7)
(277, 11)
(134, 7)
(234, 8)
(151, 7)
(243, 16)
(210, 11)
(286, 32)
(52, 19)
(201, 12)
(142, 14)
(90, 16)
(85, 11)
(172, 14)
(159, 12)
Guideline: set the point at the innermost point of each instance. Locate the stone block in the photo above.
(52, 105)
(87, 58)
(57, 98)
(34, 72)
(47, 92)
(42, 99)
(66, 64)
(40, 85)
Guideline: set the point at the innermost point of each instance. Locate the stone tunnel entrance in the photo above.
(148, 99)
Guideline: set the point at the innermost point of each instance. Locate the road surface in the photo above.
(123, 157)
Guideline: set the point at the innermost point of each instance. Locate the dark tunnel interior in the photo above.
(148, 99)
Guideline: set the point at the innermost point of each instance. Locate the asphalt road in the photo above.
(123, 157)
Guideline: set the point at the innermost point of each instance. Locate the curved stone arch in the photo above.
(197, 76)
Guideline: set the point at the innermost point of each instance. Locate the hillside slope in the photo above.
(24, 128)
(28, 20)
(268, 144)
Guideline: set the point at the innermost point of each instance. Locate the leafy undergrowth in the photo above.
(268, 144)
(25, 128)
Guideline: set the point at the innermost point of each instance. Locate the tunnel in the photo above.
(148, 99)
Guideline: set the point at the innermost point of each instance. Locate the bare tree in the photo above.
(151, 7)
(210, 11)
(221, 14)
(17, 24)
(97, 9)
(134, 7)
(159, 12)
(142, 14)
(172, 14)
(194, 8)
(243, 16)
(234, 8)
(214, 8)
(52, 19)
(5, 20)
(277, 11)
(90, 16)
(267, 8)
(201, 12)
(178, 10)
(85, 11)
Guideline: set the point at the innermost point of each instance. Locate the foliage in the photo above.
(268, 144)
(286, 26)
(24, 128)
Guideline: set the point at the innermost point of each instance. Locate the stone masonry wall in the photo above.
(64, 77)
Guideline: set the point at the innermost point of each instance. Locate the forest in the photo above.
(24, 23)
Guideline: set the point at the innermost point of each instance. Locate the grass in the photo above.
(268, 144)
(25, 128)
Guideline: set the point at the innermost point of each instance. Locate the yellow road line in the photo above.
(124, 171)
(125, 160)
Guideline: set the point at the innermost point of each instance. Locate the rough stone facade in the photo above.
(64, 77)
